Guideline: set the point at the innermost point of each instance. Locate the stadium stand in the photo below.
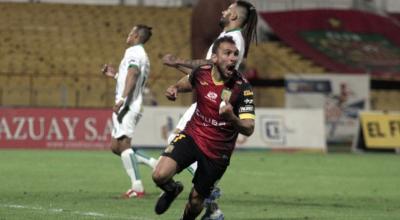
(274, 59)
(51, 55)
(64, 44)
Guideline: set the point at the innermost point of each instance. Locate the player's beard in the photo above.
(223, 73)
(223, 22)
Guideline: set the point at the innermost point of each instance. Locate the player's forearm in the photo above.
(183, 85)
(130, 83)
(191, 64)
(244, 126)
(184, 69)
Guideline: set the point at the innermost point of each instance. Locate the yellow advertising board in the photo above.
(381, 130)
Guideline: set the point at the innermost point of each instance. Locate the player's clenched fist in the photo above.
(226, 110)
(171, 93)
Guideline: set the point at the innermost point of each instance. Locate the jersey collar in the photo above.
(234, 29)
(216, 81)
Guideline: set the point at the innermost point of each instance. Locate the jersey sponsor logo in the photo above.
(248, 101)
(246, 108)
(132, 62)
(247, 93)
(212, 96)
(209, 121)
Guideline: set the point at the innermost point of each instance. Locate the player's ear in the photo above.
(214, 58)
(234, 15)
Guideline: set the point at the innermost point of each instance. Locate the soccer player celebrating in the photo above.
(239, 21)
(224, 109)
(127, 110)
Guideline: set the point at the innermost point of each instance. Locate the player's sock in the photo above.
(143, 158)
(192, 168)
(171, 190)
(212, 210)
(130, 164)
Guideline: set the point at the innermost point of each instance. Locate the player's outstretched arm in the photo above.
(183, 85)
(185, 66)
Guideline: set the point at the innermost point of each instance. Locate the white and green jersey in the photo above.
(237, 36)
(134, 56)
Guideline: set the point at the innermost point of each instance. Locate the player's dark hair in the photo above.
(249, 25)
(227, 39)
(144, 32)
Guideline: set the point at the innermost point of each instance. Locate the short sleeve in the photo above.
(192, 76)
(246, 108)
(133, 60)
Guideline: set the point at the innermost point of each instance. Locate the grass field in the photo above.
(258, 185)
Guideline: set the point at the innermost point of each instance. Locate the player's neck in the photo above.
(231, 27)
(135, 43)
(216, 76)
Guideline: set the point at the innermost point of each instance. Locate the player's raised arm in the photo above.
(183, 85)
(185, 66)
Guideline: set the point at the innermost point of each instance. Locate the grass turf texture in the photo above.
(37, 184)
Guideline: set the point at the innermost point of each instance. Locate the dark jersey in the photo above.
(216, 137)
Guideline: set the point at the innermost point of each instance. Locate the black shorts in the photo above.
(185, 151)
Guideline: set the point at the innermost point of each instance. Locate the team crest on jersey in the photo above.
(212, 96)
(226, 94)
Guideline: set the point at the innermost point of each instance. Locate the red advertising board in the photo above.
(54, 128)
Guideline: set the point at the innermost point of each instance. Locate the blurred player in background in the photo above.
(127, 110)
(204, 30)
(210, 135)
(239, 21)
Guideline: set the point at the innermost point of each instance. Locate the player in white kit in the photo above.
(131, 79)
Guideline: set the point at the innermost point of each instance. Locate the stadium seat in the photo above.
(15, 90)
(69, 43)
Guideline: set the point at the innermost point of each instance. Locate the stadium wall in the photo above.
(378, 6)
(56, 128)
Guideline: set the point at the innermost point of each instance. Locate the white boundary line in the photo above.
(59, 210)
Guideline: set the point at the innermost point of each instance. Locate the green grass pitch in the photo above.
(259, 185)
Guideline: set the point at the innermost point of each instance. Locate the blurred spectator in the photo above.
(149, 98)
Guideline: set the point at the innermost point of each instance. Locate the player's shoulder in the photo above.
(135, 49)
(234, 33)
(203, 68)
(200, 71)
